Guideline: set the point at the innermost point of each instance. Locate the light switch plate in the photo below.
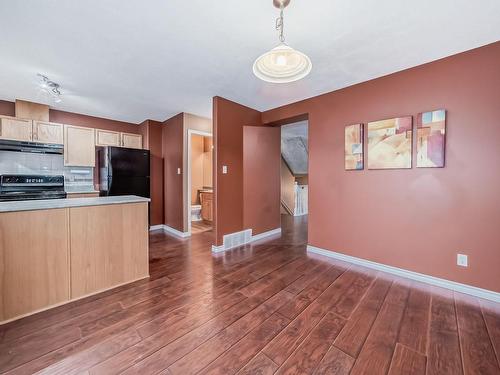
(178, 171)
(462, 260)
(224, 169)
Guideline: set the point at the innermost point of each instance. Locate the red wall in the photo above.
(228, 121)
(261, 178)
(92, 122)
(416, 219)
(152, 139)
(172, 144)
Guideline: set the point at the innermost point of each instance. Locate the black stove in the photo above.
(31, 187)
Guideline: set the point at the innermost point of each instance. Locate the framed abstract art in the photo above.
(390, 143)
(353, 147)
(431, 137)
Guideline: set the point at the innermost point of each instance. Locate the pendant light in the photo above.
(282, 64)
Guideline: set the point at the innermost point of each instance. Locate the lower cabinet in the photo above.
(104, 246)
(206, 206)
(34, 261)
(50, 257)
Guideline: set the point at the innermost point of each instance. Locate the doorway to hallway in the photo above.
(294, 199)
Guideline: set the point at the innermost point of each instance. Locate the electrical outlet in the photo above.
(178, 171)
(224, 169)
(462, 260)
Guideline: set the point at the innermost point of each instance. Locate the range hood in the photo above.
(33, 147)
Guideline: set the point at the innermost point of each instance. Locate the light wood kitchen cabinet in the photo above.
(131, 140)
(34, 261)
(107, 138)
(107, 246)
(47, 132)
(79, 146)
(206, 199)
(15, 129)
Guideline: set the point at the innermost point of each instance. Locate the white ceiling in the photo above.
(135, 59)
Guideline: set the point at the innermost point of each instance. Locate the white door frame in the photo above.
(187, 209)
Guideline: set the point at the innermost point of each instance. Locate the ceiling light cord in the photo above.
(280, 24)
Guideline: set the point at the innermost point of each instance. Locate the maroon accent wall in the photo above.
(152, 139)
(229, 118)
(261, 178)
(77, 119)
(7, 108)
(172, 145)
(416, 219)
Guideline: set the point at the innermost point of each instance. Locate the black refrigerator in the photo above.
(123, 171)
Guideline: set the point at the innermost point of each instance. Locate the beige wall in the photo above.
(208, 156)
(196, 166)
(191, 122)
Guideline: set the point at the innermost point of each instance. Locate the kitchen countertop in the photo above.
(82, 191)
(48, 204)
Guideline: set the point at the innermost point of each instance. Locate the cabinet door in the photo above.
(79, 146)
(131, 140)
(16, 129)
(107, 138)
(206, 206)
(34, 261)
(109, 246)
(47, 132)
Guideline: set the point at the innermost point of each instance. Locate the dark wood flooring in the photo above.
(261, 309)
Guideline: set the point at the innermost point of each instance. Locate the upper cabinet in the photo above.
(47, 132)
(15, 129)
(131, 140)
(107, 138)
(79, 146)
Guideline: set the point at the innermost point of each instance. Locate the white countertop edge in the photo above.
(49, 204)
(82, 191)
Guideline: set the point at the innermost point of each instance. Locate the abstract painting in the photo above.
(431, 135)
(390, 143)
(354, 147)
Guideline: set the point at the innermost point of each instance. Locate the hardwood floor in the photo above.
(261, 309)
(200, 226)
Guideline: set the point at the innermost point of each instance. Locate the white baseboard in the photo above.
(266, 234)
(232, 240)
(458, 287)
(170, 230)
(156, 227)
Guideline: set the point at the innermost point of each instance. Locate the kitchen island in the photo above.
(59, 250)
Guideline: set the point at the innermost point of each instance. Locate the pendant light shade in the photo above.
(282, 64)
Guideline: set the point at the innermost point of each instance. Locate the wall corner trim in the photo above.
(452, 285)
(156, 227)
(272, 232)
(170, 230)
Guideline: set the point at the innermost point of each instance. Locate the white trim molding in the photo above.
(272, 232)
(458, 287)
(232, 240)
(156, 227)
(170, 230)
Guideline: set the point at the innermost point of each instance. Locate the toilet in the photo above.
(196, 212)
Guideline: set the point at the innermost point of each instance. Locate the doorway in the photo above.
(295, 172)
(199, 185)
